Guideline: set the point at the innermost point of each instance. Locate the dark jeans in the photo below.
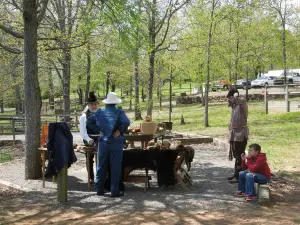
(239, 147)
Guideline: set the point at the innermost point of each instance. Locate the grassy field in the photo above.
(278, 134)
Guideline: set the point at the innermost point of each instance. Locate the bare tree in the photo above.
(158, 27)
(212, 23)
(282, 9)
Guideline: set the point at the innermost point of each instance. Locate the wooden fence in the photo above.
(286, 91)
(10, 125)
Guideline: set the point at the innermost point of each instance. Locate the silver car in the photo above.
(263, 81)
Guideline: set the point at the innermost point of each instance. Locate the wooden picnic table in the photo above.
(143, 138)
(44, 152)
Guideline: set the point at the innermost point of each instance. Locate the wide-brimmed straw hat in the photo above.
(112, 99)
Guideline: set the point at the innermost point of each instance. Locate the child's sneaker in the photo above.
(240, 194)
(250, 198)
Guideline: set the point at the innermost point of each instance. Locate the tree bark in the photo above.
(1, 105)
(31, 91)
(210, 34)
(107, 82)
(51, 90)
(18, 98)
(150, 84)
(66, 79)
(152, 51)
(88, 74)
(284, 51)
(113, 87)
(137, 109)
(130, 93)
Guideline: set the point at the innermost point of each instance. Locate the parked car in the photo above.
(278, 80)
(241, 84)
(292, 77)
(263, 81)
(221, 84)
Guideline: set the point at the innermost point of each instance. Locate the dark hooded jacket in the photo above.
(60, 148)
(258, 164)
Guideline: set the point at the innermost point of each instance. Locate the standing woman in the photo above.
(111, 121)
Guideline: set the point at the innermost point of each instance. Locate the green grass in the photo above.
(5, 156)
(278, 134)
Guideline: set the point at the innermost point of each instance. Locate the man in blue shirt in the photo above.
(110, 122)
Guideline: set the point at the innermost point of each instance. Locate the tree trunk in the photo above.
(107, 82)
(137, 109)
(1, 105)
(31, 92)
(143, 94)
(130, 93)
(113, 87)
(80, 96)
(51, 90)
(236, 62)
(66, 79)
(88, 73)
(170, 95)
(284, 51)
(14, 76)
(152, 46)
(150, 84)
(206, 124)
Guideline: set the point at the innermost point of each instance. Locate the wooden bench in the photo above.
(138, 179)
(262, 192)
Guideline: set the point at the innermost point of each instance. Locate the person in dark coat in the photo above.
(111, 122)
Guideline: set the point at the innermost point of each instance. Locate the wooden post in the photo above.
(13, 130)
(266, 100)
(287, 103)
(62, 184)
(43, 166)
(88, 152)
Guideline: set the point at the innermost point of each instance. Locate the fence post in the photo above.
(62, 184)
(13, 130)
(287, 103)
(266, 100)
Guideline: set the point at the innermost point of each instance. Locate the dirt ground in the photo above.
(284, 208)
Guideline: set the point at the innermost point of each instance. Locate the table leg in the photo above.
(43, 166)
(131, 144)
(147, 177)
(88, 168)
(96, 160)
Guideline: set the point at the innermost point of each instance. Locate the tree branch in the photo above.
(42, 10)
(11, 49)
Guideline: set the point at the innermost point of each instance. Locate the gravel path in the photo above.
(211, 191)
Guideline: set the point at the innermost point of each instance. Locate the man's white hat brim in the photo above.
(115, 101)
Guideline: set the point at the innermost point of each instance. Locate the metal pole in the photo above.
(266, 100)
(287, 103)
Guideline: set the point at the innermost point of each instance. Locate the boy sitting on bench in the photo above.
(256, 170)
